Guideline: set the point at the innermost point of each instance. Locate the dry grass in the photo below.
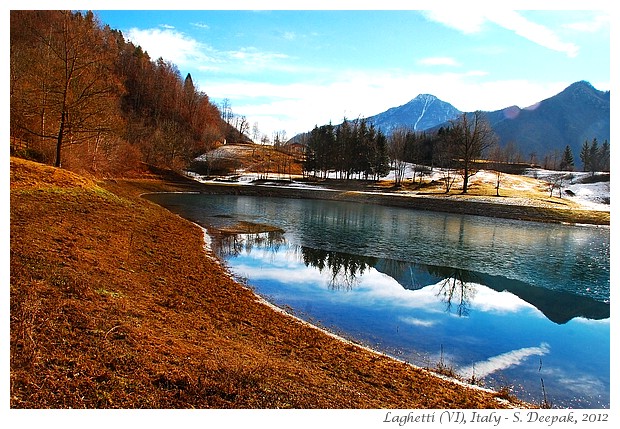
(514, 189)
(254, 158)
(115, 304)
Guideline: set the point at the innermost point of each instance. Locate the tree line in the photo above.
(595, 157)
(351, 149)
(82, 96)
(355, 149)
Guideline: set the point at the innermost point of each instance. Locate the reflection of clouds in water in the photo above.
(487, 299)
(580, 384)
(417, 322)
(372, 287)
(299, 275)
(503, 361)
(584, 321)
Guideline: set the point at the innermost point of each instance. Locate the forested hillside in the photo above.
(84, 98)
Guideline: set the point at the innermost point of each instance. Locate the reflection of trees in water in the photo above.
(456, 290)
(226, 245)
(345, 268)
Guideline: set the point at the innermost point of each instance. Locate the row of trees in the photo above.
(595, 157)
(357, 148)
(460, 149)
(82, 96)
(353, 148)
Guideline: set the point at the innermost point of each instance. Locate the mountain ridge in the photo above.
(420, 113)
(578, 113)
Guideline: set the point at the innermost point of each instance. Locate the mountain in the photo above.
(423, 112)
(578, 113)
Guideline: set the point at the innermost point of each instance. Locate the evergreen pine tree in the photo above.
(585, 155)
(567, 163)
(594, 155)
(605, 156)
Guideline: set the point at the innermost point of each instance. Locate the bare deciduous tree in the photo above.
(75, 92)
(471, 135)
(396, 148)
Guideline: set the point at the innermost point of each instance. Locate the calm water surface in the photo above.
(510, 303)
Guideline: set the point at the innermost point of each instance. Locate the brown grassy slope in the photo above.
(115, 304)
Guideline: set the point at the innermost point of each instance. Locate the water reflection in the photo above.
(496, 296)
(345, 269)
(456, 289)
(230, 244)
(556, 257)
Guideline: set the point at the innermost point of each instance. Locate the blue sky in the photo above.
(291, 69)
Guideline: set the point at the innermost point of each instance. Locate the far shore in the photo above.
(499, 207)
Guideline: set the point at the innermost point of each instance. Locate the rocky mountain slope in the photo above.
(423, 112)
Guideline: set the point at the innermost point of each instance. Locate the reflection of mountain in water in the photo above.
(457, 286)
(557, 306)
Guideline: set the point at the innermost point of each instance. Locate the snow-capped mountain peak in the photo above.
(423, 112)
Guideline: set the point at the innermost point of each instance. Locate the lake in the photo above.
(507, 304)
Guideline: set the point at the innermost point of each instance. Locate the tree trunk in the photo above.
(465, 180)
(61, 132)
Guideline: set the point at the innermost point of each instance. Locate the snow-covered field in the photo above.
(590, 191)
(579, 187)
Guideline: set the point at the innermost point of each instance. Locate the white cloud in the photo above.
(187, 52)
(439, 61)
(252, 57)
(289, 35)
(490, 300)
(169, 44)
(297, 107)
(470, 21)
(582, 384)
(466, 20)
(532, 31)
(299, 276)
(201, 25)
(592, 26)
(418, 322)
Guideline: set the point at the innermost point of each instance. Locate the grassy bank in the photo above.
(114, 303)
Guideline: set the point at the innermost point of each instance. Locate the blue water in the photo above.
(511, 304)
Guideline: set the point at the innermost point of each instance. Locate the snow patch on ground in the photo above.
(590, 192)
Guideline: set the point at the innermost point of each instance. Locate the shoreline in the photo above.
(453, 203)
(115, 303)
(262, 300)
(535, 214)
